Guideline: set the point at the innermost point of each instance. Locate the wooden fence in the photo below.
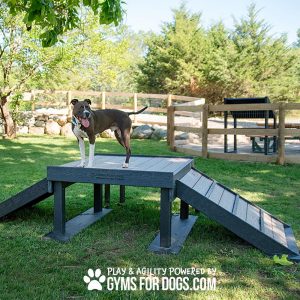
(166, 100)
(281, 132)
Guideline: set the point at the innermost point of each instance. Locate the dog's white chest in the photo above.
(79, 133)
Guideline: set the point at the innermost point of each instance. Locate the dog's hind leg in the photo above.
(126, 139)
(117, 133)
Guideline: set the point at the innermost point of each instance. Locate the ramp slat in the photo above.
(203, 185)
(191, 178)
(241, 209)
(216, 194)
(227, 200)
(253, 216)
(267, 224)
(278, 232)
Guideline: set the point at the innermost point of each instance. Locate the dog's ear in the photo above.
(88, 101)
(74, 101)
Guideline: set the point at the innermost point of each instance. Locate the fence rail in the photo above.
(281, 132)
(166, 100)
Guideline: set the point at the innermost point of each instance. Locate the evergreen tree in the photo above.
(174, 59)
(261, 60)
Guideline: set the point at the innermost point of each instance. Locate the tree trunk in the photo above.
(9, 127)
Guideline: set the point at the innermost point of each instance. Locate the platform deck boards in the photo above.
(107, 169)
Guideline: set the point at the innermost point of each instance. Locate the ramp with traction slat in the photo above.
(237, 214)
(28, 197)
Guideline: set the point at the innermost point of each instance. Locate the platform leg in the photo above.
(184, 210)
(59, 208)
(107, 195)
(98, 197)
(166, 197)
(122, 193)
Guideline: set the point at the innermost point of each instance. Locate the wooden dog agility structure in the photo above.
(176, 177)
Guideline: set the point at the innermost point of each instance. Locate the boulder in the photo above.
(159, 134)
(52, 128)
(66, 130)
(42, 117)
(61, 120)
(108, 134)
(26, 119)
(39, 123)
(181, 136)
(187, 136)
(36, 130)
(142, 132)
(156, 126)
(22, 129)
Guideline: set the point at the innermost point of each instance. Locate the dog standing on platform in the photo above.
(86, 123)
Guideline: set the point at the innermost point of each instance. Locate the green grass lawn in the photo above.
(34, 268)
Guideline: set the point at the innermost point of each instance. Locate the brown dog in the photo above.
(86, 123)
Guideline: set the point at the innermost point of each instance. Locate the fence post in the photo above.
(170, 127)
(281, 135)
(204, 130)
(103, 100)
(68, 102)
(33, 101)
(169, 100)
(134, 107)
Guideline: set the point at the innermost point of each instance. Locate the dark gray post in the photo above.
(225, 135)
(266, 141)
(122, 193)
(184, 210)
(234, 137)
(274, 137)
(59, 208)
(107, 195)
(166, 197)
(98, 197)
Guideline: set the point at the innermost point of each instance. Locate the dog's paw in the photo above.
(81, 165)
(125, 165)
(89, 165)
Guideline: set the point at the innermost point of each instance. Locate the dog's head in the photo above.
(82, 111)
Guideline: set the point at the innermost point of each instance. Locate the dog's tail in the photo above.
(138, 112)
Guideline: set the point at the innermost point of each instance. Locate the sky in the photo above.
(282, 15)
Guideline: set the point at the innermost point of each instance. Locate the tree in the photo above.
(21, 58)
(107, 61)
(261, 59)
(174, 59)
(54, 17)
(217, 63)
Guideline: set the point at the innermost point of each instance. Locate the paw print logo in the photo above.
(94, 280)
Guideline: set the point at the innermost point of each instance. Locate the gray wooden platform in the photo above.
(147, 171)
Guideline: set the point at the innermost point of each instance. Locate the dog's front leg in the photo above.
(82, 151)
(92, 140)
(91, 155)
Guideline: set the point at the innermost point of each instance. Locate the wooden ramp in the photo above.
(28, 197)
(238, 215)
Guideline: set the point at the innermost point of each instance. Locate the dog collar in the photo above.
(76, 122)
